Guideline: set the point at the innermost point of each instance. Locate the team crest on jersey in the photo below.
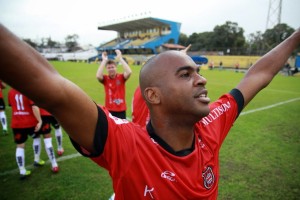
(118, 101)
(208, 178)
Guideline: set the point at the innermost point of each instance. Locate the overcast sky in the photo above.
(36, 19)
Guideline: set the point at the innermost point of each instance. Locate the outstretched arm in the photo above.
(27, 71)
(99, 74)
(264, 70)
(127, 71)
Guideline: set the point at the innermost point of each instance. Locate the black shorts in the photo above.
(46, 128)
(2, 104)
(52, 120)
(21, 134)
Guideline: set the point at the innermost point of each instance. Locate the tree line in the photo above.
(225, 39)
(229, 39)
(71, 43)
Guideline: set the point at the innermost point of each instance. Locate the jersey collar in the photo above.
(167, 147)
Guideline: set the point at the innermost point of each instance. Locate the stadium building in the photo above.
(140, 38)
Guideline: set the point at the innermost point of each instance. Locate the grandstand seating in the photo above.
(142, 36)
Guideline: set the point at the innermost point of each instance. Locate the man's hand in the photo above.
(104, 56)
(119, 54)
(38, 126)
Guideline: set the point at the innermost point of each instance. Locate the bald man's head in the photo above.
(153, 71)
(157, 71)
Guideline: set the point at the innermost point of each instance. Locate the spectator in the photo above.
(221, 65)
(237, 66)
(295, 70)
(211, 65)
(287, 69)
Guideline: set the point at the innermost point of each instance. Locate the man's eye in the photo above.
(185, 75)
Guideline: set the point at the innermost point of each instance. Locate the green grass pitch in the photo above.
(260, 158)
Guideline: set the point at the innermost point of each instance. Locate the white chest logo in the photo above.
(168, 175)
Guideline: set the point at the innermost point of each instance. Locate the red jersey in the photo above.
(44, 112)
(140, 111)
(115, 93)
(22, 114)
(143, 166)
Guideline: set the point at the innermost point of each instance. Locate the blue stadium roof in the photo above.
(133, 25)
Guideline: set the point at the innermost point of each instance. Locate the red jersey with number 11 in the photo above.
(22, 114)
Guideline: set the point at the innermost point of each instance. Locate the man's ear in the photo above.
(152, 95)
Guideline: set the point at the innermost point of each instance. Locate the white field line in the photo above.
(270, 106)
(282, 91)
(46, 163)
(77, 154)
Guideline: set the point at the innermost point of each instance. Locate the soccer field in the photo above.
(260, 158)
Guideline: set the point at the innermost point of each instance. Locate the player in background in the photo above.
(24, 123)
(140, 111)
(114, 84)
(46, 132)
(58, 131)
(2, 109)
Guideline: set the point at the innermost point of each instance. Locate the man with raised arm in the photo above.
(114, 84)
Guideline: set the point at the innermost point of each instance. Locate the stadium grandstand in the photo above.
(140, 38)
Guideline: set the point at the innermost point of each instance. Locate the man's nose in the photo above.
(200, 80)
